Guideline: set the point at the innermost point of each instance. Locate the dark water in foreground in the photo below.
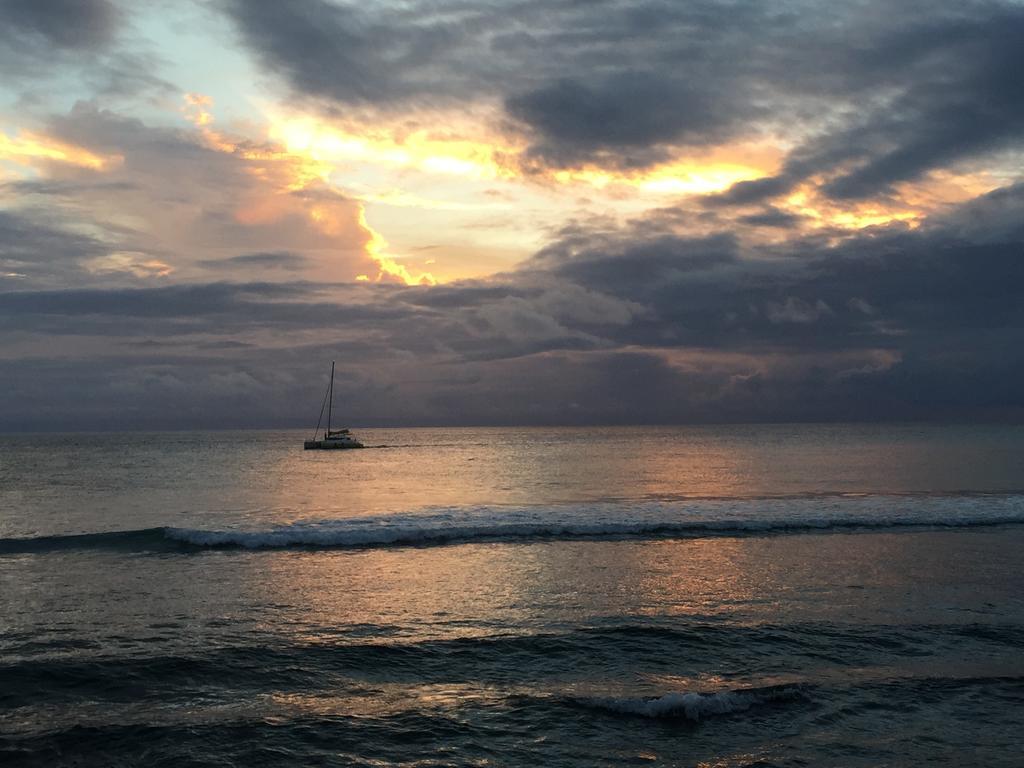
(717, 596)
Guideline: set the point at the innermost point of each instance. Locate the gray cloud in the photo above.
(950, 274)
(275, 260)
(967, 101)
(603, 326)
(870, 93)
(946, 91)
(69, 24)
(88, 42)
(680, 315)
(628, 114)
(347, 52)
(771, 217)
(36, 250)
(180, 207)
(753, 191)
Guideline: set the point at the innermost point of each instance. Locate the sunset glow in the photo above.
(546, 213)
(27, 149)
(535, 383)
(418, 150)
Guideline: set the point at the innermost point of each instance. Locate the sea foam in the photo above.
(698, 518)
(683, 519)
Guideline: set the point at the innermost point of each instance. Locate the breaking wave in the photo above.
(693, 519)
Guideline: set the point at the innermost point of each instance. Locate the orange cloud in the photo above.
(295, 172)
(421, 149)
(909, 202)
(197, 108)
(822, 212)
(134, 262)
(27, 148)
(303, 152)
(492, 157)
(388, 266)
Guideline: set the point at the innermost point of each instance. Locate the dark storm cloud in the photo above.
(968, 101)
(629, 111)
(890, 323)
(942, 89)
(870, 93)
(886, 287)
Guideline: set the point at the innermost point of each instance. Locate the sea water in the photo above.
(720, 596)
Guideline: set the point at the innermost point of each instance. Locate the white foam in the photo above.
(680, 519)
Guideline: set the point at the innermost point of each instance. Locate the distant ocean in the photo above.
(811, 595)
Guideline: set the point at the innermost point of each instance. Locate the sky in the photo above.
(519, 212)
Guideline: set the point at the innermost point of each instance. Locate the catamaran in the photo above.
(333, 438)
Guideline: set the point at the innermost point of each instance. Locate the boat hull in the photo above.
(331, 445)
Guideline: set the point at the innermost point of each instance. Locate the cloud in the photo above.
(88, 44)
(753, 191)
(771, 217)
(278, 260)
(212, 272)
(182, 201)
(866, 96)
(64, 24)
(36, 250)
(628, 115)
(965, 102)
(945, 91)
(346, 52)
(608, 325)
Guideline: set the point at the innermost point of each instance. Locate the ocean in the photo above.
(802, 595)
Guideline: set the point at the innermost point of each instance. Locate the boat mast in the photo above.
(330, 401)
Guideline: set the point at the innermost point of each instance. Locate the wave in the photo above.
(146, 539)
(695, 519)
(696, 706)
(34, 664)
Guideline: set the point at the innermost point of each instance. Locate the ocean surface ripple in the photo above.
(758, 596)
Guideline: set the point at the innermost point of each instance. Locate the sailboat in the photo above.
(332, 438)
